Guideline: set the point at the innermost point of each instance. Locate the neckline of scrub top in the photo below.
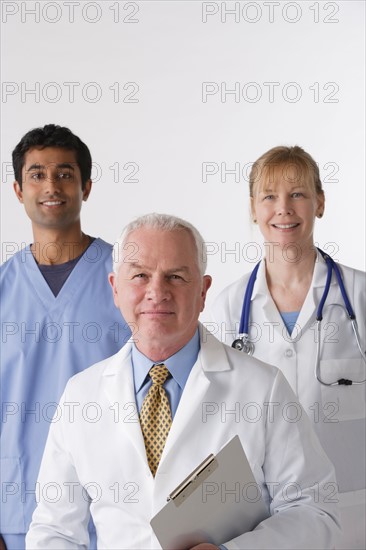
(55, 305)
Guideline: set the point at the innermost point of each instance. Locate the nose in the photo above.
(52, 187)
(158, 290)
(52, 182)
(284, 206)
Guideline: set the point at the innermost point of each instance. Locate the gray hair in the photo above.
(164, 222)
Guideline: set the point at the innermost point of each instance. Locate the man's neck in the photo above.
(157, 351)
(53, 247)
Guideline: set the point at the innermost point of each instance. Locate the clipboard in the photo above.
(217, 502)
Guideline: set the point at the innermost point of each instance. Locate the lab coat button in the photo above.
(289, 353)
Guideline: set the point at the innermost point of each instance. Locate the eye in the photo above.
(268, 197)
(297, 195)
(36, 176)
(64, 175)
(177, 279)
(140, 276)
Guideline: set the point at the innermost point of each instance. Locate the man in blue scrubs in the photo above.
(57, 314)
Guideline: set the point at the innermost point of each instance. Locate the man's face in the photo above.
(159, 289)
(51, 190)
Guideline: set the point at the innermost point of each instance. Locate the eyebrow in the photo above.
(136, 265)
(38, 166)
(270, 190)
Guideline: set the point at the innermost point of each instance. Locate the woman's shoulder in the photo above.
(355, 283)
(356, 274)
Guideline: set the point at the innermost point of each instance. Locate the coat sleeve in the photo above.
(62, 515)
(300, 480)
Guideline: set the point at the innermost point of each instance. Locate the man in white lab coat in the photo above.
(95, 460)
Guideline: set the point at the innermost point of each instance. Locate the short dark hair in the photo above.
(52, 135)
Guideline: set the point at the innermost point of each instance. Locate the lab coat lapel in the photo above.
(118, 386)
(306, 315)
(211, 358)
(264, 298)
(314, 294)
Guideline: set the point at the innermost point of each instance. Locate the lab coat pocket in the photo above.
(12, 510)
(348, 400)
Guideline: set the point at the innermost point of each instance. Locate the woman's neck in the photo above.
(289, 279)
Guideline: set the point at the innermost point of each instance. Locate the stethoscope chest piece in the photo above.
(243, 344)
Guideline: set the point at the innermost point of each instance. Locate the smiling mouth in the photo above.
(52, 203)
(285, 225)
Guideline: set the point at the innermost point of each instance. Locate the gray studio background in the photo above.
(177, 99)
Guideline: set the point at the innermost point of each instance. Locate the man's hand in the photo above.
(205, 546)
(3, 546)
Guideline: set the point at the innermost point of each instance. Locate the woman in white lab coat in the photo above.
(286, 197)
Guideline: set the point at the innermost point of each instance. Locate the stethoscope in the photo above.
(243, 343)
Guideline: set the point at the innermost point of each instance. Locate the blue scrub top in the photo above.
(45, 341)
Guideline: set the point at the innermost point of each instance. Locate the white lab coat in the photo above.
(338, 412)
(96, 441)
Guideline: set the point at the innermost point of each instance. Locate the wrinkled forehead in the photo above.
(154, 247)
(146, 236)
(270, 176)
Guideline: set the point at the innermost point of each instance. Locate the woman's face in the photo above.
(285, 207)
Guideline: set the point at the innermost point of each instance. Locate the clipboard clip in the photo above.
(194, 480)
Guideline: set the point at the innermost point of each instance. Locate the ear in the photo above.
(87, 189)
(18, 191)
(207, 282)
(252, 209)
(112, 278)
(320, 205)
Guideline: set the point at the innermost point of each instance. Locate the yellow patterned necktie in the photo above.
(155, 417)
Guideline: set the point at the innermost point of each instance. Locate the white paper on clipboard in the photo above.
(217, 502)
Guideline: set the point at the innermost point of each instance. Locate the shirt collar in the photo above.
(179, 365)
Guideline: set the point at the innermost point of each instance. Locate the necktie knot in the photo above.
(158, 374)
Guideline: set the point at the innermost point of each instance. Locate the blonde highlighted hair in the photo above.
(290, 163)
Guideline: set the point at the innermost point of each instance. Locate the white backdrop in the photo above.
(177, 99)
